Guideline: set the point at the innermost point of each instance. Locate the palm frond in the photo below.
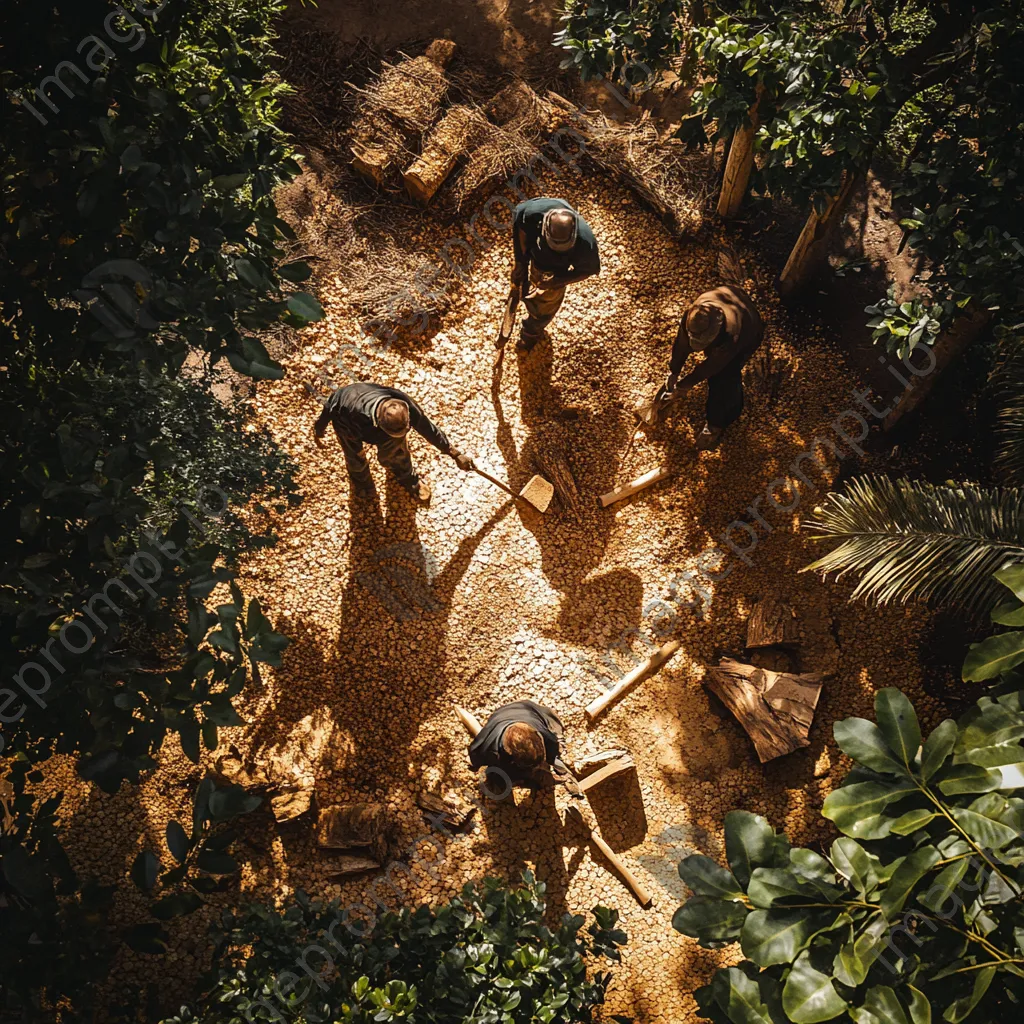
(915, 541)
(1008, 380)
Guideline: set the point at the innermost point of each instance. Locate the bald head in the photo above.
(559, 229)
(393, 417)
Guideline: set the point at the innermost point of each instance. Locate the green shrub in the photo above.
(486, 957)
(916, 912)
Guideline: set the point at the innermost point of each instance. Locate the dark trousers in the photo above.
(393, 453)
(725, 396)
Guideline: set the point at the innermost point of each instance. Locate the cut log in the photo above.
(290, 802)
(630, 679)
(649, 479)
(454, 814)
(445, 143)
(772, 623)
(775, 708)
(584, 764)
(349, 826)
(349, 864)
(397, 109)
(811, 247)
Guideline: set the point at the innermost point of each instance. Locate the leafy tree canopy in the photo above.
(936, 84)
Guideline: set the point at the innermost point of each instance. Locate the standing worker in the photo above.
(552, 246)
(723, 324)
(522, 739)
(366, 413)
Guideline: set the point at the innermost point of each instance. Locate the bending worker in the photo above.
(366, 413)
(723, 324)
(522, 739)
(552, 246)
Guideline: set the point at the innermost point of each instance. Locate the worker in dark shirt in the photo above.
(723, 324)
(552, 246)
(367, 413)
(521, 739)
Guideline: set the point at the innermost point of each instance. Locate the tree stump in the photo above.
(358, 827)
(775, 708)
(772, 623)
(554, 465)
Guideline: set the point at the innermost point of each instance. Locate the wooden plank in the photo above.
(630, 679)
(776, 709)
(636, 886)
(469, 720)
(609, 771)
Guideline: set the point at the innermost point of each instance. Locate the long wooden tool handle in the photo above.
(630, 679)
(509, 319)
(469, 720)
(626, 490)
(626, 875)
(496, 482)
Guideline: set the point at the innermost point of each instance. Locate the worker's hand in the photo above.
(520, 274)
(318, 438)
(463, 461)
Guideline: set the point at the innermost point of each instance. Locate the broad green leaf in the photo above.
(707, 878)
(1009, 614)
(857, 809)
(914, 867)
(777, 936)
(739, 997)
(1013, 577)
(26, 874)
(750, 842)
(145, 869)
(177, 841)
(937, 748)
(854, 959)
(945, 884)
(305, 307)
(994, 656)
(910, 822)
(968, 778)
(809, 996)
(175, 905)
(961, 1009)
(898, 724)
(987, 833)
(770, 884)
(711, 921)
(855, 864)
(147, 938)
(812, 866)
(882, 1003)
(920, 1008)
(865, 743)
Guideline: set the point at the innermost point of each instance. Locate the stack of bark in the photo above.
(358, 834)
(776, 708)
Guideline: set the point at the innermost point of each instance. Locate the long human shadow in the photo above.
(572, 543)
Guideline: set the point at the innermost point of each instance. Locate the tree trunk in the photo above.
(950, 344)
(739, 164)
(812, 246)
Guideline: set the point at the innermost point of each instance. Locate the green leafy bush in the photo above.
(486, 957)
(902, 326)
(915, 914)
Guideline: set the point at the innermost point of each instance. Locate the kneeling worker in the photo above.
(366, 413)
(522, 739)
(552, 246)
(723, 324)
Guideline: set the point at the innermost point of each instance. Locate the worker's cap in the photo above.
(559, 229)
(393, 417)
(703, 322)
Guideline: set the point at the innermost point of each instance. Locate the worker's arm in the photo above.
(520, 255)
(425, 427)
(715, 361)
(681, 351)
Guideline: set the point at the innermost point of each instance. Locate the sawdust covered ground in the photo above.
(501, 603)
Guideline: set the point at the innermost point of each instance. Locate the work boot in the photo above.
(709, 437)
(362, 484)
(419, 488)
(526, 341)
